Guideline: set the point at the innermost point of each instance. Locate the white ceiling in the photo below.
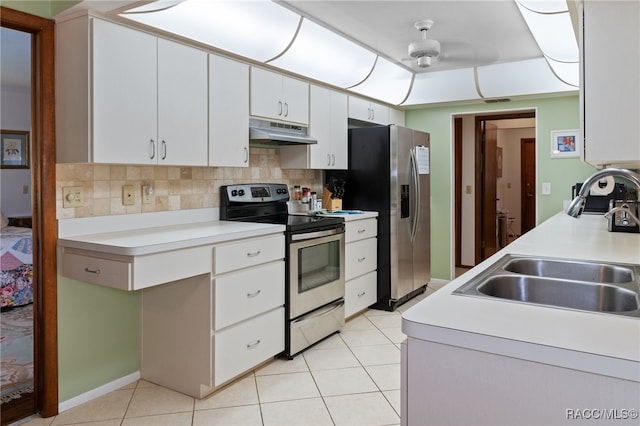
(472, 32)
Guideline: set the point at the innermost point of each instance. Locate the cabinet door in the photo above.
(295, 95)
(266, 94)
(182, 105)
(339, 131)
(359, 109)
(379, 113)
(320, 127)
(228, 112)
(124, 95)
(611, 85)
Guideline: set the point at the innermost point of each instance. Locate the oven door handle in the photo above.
(316, 234)
(322, 312)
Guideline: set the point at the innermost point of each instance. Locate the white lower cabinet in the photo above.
(201, 332)
(361, 261)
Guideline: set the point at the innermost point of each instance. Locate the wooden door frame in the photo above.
(43, 178)
(479, 161)
(457, 186)
(523, 195)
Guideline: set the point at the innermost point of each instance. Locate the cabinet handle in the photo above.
(328, 159)
(164, 150)
(360, 231)
(279, 107)
(253, 344)
(333, 159)
(361, 259)
(92, 271)
(246, 155)
(373, 114)
(286, 109)
(362, 294)
(254, 294)
(254, 254)
(369, 111)
(153, 149)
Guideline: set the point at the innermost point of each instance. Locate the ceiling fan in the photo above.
(456, 53)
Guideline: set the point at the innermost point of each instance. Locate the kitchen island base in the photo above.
(451, 385)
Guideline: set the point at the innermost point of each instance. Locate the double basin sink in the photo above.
(562, 283)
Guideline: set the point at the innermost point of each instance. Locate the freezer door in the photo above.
(422, 233)
(401, 143)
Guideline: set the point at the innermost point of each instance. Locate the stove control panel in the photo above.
(255, 192)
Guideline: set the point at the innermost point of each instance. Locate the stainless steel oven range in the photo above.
(314, 296)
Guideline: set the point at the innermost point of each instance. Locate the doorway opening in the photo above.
(43, 212)
(494, 183)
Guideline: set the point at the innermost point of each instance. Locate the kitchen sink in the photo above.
(561, 283)
(570, 270)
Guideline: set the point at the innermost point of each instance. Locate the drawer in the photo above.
(255, 251)
(360, 293)
(360, 229)
(360, 257)
(96, 270)
(247, 293)
(136, 272)
(245, 345)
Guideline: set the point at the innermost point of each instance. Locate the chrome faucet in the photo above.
(577, 205)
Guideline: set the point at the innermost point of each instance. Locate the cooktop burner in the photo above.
(267, 203)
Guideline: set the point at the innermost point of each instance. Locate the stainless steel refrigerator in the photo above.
(389, 172)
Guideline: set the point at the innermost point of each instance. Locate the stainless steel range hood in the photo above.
(267, 133)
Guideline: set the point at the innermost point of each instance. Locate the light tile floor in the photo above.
(351, 378)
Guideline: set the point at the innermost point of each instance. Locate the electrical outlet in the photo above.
(128, 196)
(468, 189)
(72, 196)
(147, 194)
(25, 189)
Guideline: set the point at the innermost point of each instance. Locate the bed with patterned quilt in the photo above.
(16, 264)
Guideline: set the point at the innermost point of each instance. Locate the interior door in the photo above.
(489, 241)
(528, 183)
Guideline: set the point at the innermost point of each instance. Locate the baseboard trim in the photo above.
(98, 392)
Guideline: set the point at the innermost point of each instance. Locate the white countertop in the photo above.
(600, 343)
(169, 232)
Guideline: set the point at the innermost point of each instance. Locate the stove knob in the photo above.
(241, 192)
(234, 193)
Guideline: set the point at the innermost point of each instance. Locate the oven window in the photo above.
(318, 265)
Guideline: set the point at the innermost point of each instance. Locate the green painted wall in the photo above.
(42, 8)
(554, 113)
(98, 336)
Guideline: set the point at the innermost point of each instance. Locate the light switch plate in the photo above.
(72, 196)
(128, 196)
(546, 188)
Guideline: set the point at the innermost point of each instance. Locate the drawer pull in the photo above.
(361, 259)
(253, 345)
(362, 294)
(254, 294)
(360, 231)
(92, 271)
(254, 254)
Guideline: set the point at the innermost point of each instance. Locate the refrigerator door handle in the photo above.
(416, 193)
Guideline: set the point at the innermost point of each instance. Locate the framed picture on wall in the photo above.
(565, 143)
(14, 149)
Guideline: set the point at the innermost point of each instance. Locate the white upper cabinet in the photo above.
(228, 112)
(328, 125)
(396, 117)
(124, 96)
(275, 96)
(611, 83)
(364, 110)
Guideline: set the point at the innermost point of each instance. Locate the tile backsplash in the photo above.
(174, 188)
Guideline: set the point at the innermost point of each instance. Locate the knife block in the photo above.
(329, 203)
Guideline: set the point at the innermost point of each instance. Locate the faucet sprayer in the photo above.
(577, 205)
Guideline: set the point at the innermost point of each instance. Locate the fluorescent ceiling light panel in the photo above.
(528, 77)
(553, 33)
(388, 82)
(568, 72)
(325, 56)
(256, 29)
(443, 86)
